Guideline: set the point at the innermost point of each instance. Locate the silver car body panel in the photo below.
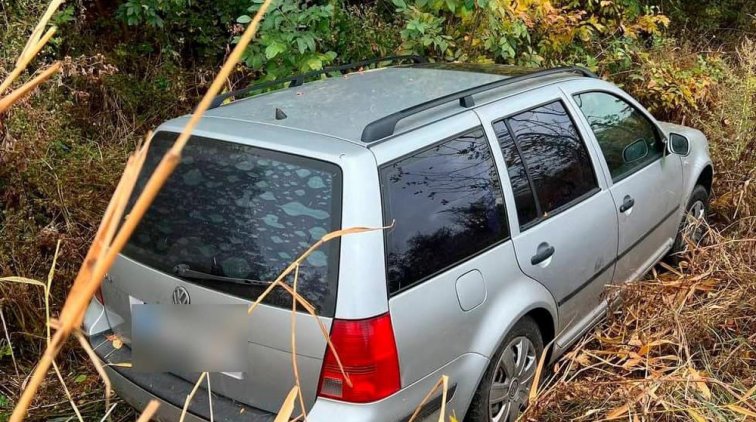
(454, 322)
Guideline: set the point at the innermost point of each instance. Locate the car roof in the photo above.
(341, 107)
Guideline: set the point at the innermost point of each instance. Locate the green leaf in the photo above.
(301, 45)
(80, 378)
(310, 40)
(243, 19)
(314, 63)
(274, 49)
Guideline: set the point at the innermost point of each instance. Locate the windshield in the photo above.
(238, 211)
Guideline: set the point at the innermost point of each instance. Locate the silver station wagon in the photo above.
(515, 199)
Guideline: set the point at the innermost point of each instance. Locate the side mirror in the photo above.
(679, 144)
(635, 151)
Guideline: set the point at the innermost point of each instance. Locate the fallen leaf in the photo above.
(616, 413)
(700, 385)
(741, 410)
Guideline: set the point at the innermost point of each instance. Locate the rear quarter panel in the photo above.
(431, 329)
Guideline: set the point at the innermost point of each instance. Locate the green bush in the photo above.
(199, 28)
(291, 38)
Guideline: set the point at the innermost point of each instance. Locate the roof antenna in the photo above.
(280, 115)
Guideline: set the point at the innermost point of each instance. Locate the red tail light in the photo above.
(368, 353)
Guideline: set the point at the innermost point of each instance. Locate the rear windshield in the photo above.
(238, 211)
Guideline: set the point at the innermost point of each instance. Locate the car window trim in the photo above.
(385, 205)
(526, 167)
(558, 210)
(658, 131)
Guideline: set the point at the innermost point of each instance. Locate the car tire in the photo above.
(503, 391)
(697, 209)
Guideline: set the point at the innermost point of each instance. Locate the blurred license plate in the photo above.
(189, 338)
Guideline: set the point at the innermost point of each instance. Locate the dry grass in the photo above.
(681, 346)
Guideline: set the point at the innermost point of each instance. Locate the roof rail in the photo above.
(299, 79)
(386, 125)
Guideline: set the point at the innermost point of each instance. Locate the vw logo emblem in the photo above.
(181, 296)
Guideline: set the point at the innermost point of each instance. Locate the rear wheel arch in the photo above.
(540, 313)
(545, 322)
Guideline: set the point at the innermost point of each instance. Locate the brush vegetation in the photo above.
(682, 346)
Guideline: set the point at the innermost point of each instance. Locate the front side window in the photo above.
(557, 160)
(446, 203)
(235, 211)
(628, 139)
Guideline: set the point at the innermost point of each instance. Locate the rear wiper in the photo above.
(183, 270)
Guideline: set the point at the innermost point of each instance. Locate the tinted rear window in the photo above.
(244, 212)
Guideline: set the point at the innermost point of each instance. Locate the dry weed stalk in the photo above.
(284, 414)
(191, 396)
(149, 411)
(443, 384)
(33, 46)
(49, 323)
(8, 340)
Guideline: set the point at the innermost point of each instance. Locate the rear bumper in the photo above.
(137, 390)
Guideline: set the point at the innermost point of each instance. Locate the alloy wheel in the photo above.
(695, 226)
(512, 380)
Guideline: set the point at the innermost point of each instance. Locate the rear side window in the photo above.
(447, 205)
(620, 128)
(237, 211)
(555, 157)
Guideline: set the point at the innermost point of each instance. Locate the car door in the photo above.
(566, 231)
(646, 180)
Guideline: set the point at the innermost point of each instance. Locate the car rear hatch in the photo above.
(235, 212)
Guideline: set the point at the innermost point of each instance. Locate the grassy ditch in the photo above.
(681, 347)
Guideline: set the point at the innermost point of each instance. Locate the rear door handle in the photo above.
(627, 203)
(545, 251)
